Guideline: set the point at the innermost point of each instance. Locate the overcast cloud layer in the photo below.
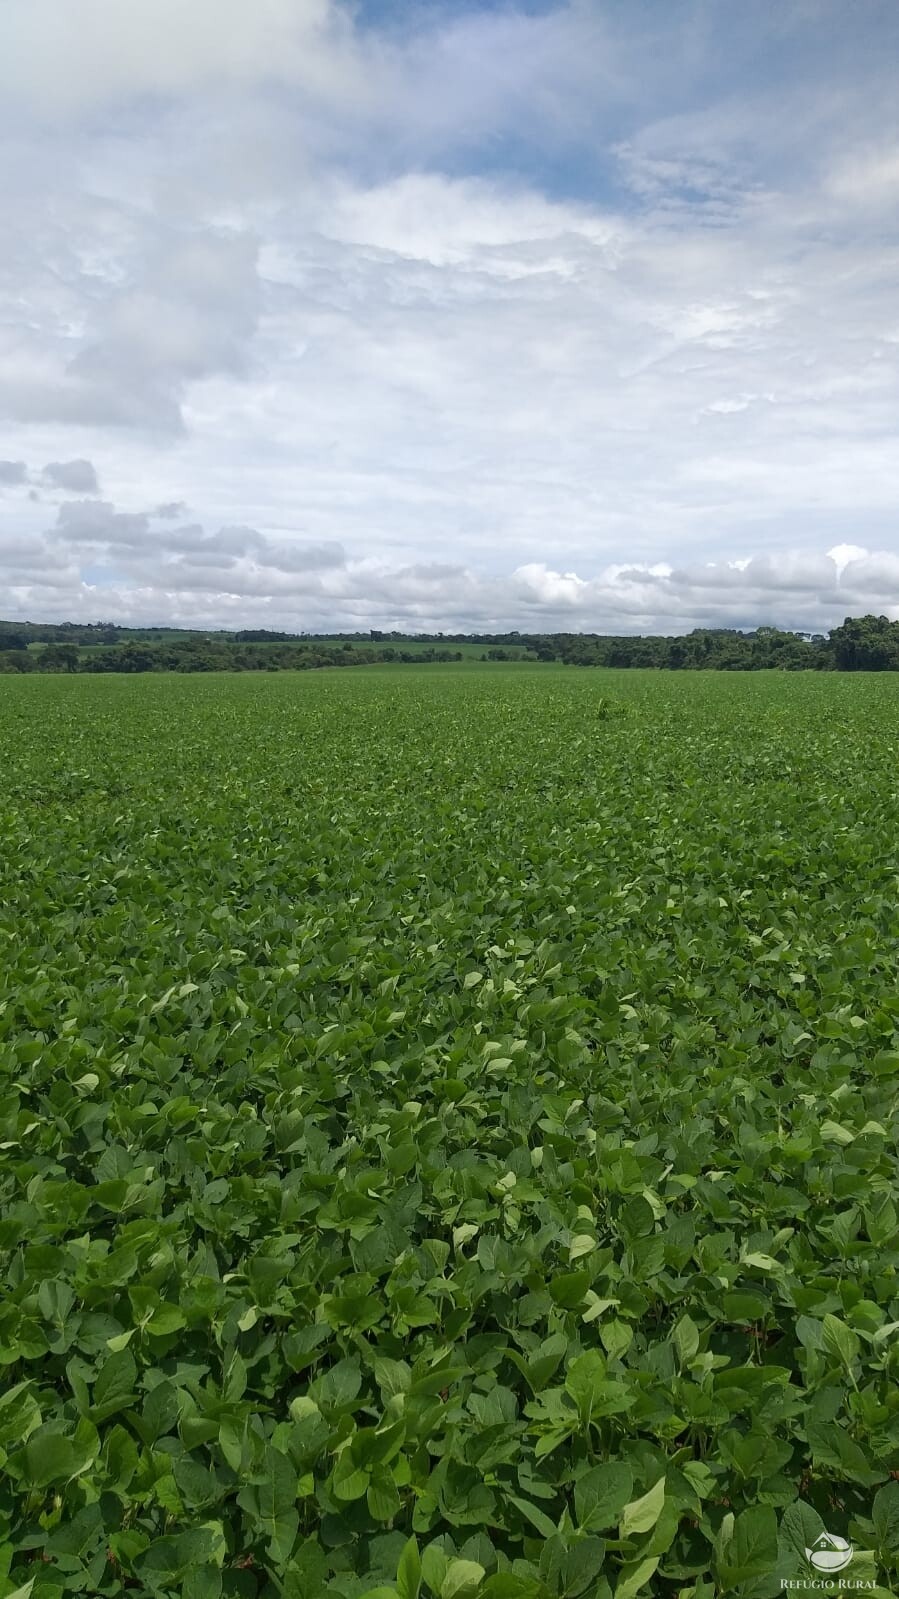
(449, 316)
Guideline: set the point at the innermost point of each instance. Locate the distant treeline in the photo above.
(861, 644)
(202, 655)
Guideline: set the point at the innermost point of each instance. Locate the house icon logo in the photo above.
(829, 1553)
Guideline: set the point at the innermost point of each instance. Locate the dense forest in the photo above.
(867, 643)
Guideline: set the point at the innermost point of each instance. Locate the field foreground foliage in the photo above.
(449, 1134)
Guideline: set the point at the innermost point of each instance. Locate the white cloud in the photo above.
(443, 222)
(182, 306)
(474, 305)
(550, 589)
(96, 561)
(63, 57)
(844, 555)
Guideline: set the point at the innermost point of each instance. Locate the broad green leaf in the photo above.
(584, 1377)
(634, 1576)
(350, 1481)
(382, 1498)
(534, 1515)
(640, 1515)
(408, 1572)
(462, 1579)
(752, 1549)
(685, 1338)
(601, 1494)
(276, 1497)
(115, 1385)
(885, 1515)
(581, 1244)
(51, 1456)
(840, 1340)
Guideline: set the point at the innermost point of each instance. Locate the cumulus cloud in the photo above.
(184, 557)
(791, 590)
(95, 555)
(98, 522)
(13, 472)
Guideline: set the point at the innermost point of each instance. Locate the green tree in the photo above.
(60, 658)
(866, 644)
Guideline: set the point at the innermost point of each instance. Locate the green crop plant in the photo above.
(448, 1132)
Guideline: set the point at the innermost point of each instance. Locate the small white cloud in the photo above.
(843, 554)
(543, 587)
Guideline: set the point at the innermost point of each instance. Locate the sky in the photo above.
(433, 315)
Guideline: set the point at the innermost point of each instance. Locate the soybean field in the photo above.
(449, 1134)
